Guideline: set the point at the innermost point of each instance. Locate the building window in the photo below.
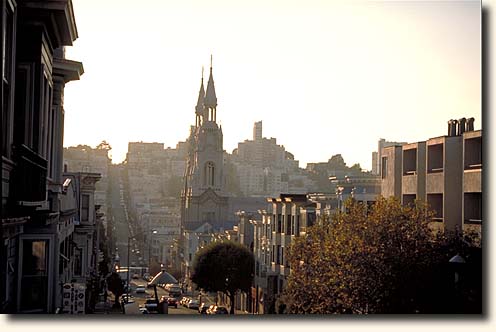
(410, 162)
(473, 153)
(78, 262)
(8, 38)
(435, 202)
(34, 281)
(61, 260)
(288, 225)
(209, 178)
(384, 167)
(435, 158)
(279, 223)
(297, 227)
(293, 230)
(472, 208)
(409, 199)
(85, 207)
(282, 255)
(311, 217)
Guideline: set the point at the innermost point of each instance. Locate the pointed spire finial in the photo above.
(202, 72)
(210, 97)
(201, 97)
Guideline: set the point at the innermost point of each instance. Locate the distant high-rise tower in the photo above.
(203, 198)
(257, 131)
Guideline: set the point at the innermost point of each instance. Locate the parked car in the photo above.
(144, 310)
(184, 301)
(151, 304)
(125, 298)
(174, 291)
(218, 310)
(210, 309)
(193, 304)
(172, 302)
(140, 289)
(202, 309)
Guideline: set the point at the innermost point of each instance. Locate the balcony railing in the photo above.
(30, 179)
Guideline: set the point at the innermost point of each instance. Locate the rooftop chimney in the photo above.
(452, 127)
(470, 124)
(461, 126)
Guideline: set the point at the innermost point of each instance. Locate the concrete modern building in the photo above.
(34, 73)
(445, 172)
(376, 160)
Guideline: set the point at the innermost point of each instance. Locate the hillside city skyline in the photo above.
(324, 77)
(261, 158)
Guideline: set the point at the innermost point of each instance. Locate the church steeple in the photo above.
(199, 109)
(210, 97)
(204, 198)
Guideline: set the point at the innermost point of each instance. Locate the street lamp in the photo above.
(457, 262)
(339, 194)
(150, 250)
(129, 253)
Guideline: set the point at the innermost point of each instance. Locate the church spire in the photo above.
(201, 98)
(210, 97)
(200, 108)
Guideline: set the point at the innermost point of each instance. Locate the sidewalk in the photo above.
(209, 299)
(108, 306)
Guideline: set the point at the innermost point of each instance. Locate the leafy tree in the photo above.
(104, 146)
(383, 260)
(103, 267)
(224, 267)
(356, 168)
(116, 286)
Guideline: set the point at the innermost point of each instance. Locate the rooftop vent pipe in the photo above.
(470, 124)
(452, 127)
(461, 126)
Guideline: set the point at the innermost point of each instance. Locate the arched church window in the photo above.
(209, 174)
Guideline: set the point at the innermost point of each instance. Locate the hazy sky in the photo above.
(325, 77)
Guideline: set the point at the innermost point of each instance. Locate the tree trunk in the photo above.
(231, 299)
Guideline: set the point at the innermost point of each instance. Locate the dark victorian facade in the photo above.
(34, 73)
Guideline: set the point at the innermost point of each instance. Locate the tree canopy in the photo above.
(382, 260)
(116, 286)
(224, 267)
(104, 146)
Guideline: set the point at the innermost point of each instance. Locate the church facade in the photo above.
(204, 198)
